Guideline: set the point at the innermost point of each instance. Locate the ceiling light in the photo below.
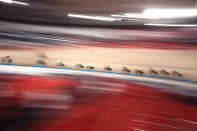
(125, 17)
(170, 13)
(160, 13)
(172, 25)
(6, 1)
(133, 15)
(12, 1)
(102, 18)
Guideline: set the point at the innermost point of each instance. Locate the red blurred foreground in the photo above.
(63, 103)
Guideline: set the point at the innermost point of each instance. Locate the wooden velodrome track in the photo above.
(184, 61)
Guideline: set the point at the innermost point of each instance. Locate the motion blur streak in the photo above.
(170, 13)
(175, 25)
(87, 103)
(98, 65)
(92, 17)
(12, 1)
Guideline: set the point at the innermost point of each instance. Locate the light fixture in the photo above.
(101, 18)
(159, 14)
(142, 16)
(170, 13)
(134, 16)
(12, 1)
(172, 25)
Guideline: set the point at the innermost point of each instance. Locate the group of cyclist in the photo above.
(153, 71)
(136, 71)
(41, 61)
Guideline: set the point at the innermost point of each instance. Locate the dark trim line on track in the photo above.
(177, 79)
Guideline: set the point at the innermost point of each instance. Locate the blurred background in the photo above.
(118, 12)
(91, 65)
